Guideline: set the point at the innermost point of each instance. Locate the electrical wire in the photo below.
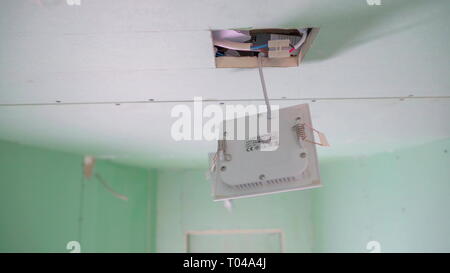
(108, 187)
(250, 47)
(259, 47)
(238, 46)
(304, 33)
(263, 84)
(233, 45)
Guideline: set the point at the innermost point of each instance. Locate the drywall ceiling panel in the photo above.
(394, 59)
(393, 73)
(137, 50)
(93, 16)
(119, 52)
(141, 133)
(129, 133)
(376, 126)
(100, 16)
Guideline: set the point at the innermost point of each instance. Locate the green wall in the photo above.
(40, 194)
(400, 199)
(185, 204)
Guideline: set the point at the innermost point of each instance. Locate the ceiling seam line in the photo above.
(229, 100)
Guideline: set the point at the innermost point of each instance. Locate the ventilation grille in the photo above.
(261, 184)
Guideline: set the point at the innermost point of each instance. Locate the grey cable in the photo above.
(263, 84)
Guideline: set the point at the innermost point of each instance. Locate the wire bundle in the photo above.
(239, 46)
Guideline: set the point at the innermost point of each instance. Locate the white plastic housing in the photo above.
(293, 166)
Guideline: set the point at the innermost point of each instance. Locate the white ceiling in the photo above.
(90, 57)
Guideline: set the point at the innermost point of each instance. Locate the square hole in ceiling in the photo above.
(238, 48)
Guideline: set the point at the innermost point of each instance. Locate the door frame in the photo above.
(233, 231)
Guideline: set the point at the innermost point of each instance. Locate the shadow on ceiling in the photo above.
(343, 30)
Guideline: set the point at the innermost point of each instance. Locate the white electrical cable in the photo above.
(233, 45)
(304, 33)
(108, 187)
(263, 84)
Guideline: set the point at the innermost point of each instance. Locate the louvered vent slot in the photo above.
(280, 180)
(259, 184)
